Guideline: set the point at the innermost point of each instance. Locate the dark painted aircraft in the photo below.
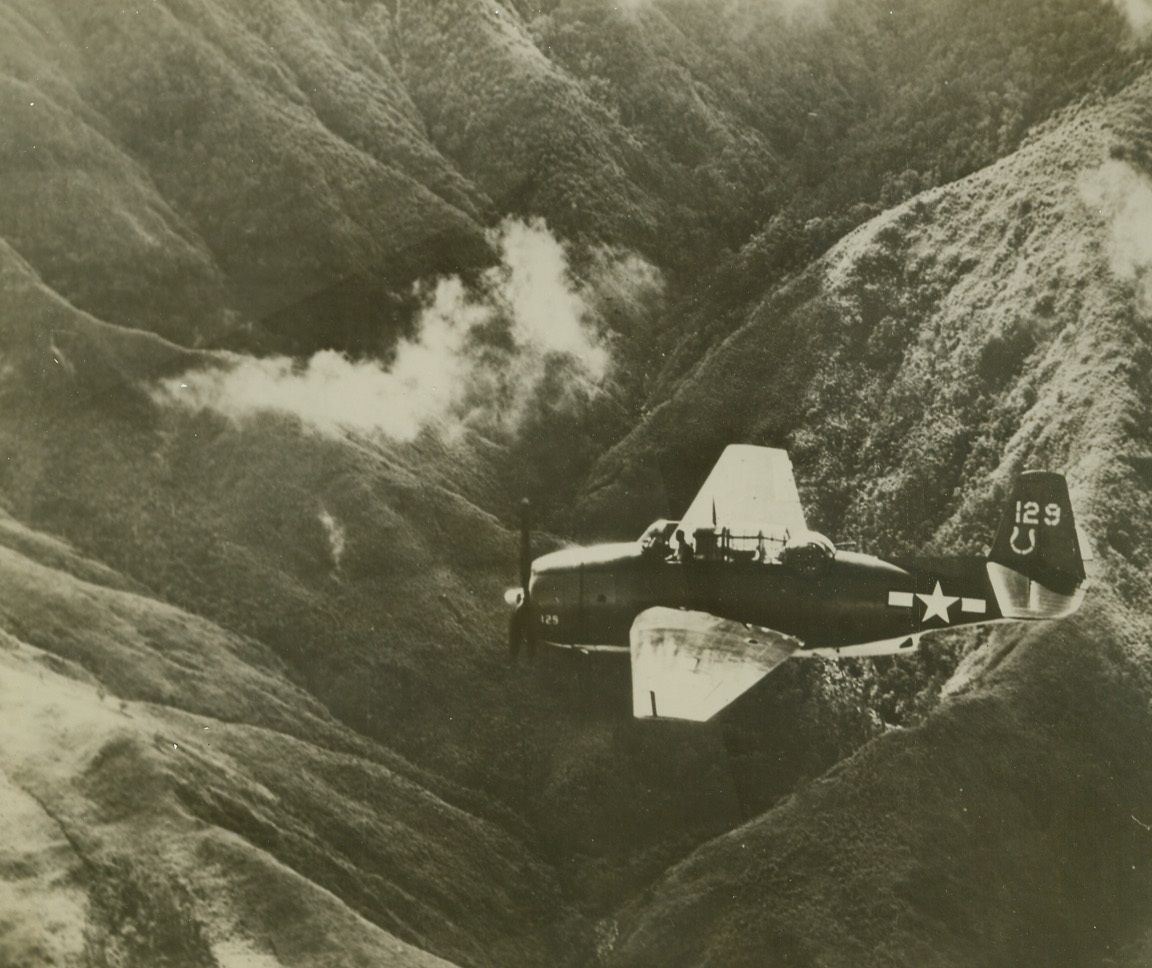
(709, 605)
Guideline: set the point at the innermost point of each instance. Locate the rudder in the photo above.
(1037, 545)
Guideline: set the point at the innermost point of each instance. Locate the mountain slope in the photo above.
(366, 566)
(328, 601)
(219, 166)
(262, 177)
(1005, 830)
(982, 321)
(201, 808)
(995, 325)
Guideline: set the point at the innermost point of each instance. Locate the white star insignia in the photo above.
(937, 604)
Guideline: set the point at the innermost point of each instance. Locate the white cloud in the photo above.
(478, 354)
(1122, 196)
(1138, 12)
(549, 314)
(334, 531)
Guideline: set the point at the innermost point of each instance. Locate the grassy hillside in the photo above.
(171, 795)
(195, 169)
(264, 177)
(366, 566)
(981, 321)
(190, 539)
(992, 326)
(1005, 830)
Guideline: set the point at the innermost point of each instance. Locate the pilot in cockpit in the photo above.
(807, 552)
(654, 543)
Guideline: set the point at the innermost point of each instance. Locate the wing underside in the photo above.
(690, 665)
(750, 490)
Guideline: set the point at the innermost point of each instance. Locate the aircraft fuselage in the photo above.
(849, 604)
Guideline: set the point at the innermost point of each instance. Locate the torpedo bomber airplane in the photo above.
(709, 605)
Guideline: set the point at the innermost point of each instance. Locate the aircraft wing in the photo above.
(690, 665)
(750, 490)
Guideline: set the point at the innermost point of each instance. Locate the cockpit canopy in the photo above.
(803, 550)
(807, 550)
(656, 540)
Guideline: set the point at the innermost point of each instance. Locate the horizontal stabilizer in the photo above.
(690, 665)
(1019, 597)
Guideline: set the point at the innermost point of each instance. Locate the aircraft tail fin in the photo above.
(1036, 565)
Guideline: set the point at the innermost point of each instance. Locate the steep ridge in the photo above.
(173, 796)
(279, 178)
(1005, 830)
(251, 156)
(976, 331)
(365, 566)
(979, 320)
(308, 805)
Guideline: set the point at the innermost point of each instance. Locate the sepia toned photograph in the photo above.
(576, 484)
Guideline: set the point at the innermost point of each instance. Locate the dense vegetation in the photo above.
(282, 177)
(890, 237)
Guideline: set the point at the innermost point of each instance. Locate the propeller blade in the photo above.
(525, 545)
(520, 629)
